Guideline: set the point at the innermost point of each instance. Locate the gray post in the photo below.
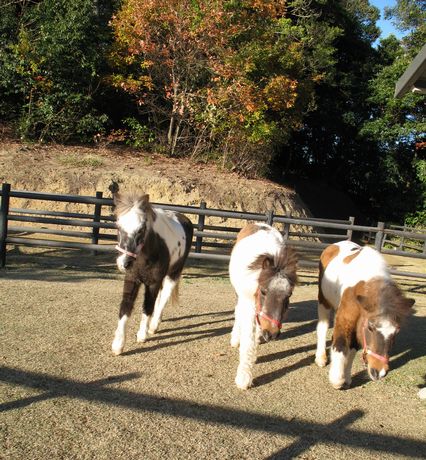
(270, 217)
(286, 233)
(350, 231)
(4, 211)
(97, 219)
(200, 228)
(379, 236)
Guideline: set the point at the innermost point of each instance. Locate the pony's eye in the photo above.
(263, 291)
(371, 326)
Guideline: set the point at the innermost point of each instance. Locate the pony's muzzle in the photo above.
(124, 262)
(268, 336)
(377, 374)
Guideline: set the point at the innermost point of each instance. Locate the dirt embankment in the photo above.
(83, 171)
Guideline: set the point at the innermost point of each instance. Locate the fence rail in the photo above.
(212, 240)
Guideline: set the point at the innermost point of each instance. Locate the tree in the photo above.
(225, 79)
(51, 66)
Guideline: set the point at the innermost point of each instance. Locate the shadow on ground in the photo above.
(306, 433)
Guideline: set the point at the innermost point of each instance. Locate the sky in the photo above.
(386, 27)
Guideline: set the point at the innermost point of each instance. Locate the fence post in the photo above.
(286, 233)
(350, 231)
(97, 219)
(4, 211)
(402, 238)
(200, 228)
(270, 217)
(379, 236)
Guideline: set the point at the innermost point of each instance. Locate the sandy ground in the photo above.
(63, 395)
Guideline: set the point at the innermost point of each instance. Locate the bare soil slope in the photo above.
(82, 170)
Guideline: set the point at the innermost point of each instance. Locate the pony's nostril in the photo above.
(374, 374)
(127, 262)
(266, 336)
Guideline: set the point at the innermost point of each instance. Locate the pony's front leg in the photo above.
(163, 297)
(248, 345)
(322, 328)
(130, 292)
(235, 334)
(341, 355)
(151, 293)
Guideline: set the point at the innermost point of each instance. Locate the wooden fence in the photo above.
(213, 235)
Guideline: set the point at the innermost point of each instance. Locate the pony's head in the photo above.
(383, 310)
(134, 216)
(276, 282)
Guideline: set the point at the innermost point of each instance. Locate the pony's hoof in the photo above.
(117, 349)
(321, 361)
(141, 337)
(235, 343)
(152, 331)
(340, 385)
(243, 381)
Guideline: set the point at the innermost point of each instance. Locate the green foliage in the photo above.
(265, 88)
(51, 68)
(139, 136)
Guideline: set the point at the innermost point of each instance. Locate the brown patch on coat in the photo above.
(248, 230)
(348, 259)
(347, 316)
(329, 253)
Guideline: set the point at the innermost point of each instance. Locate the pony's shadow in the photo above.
(301, 312)
(271, 376)
(191, 336)
(410, 343)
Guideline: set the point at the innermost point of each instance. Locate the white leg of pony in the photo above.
(248, 345)
(235, 334)
(143, 328)
(162, 299)
(348, 368)
(338, 368)
(119, 336)
(322, 328)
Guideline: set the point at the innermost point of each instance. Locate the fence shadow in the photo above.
(306, 433)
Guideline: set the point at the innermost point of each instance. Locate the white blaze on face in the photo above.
(387, 329)
(130, 222)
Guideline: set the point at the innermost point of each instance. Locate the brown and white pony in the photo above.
(263, 273)
(153, 246)
(370, 308)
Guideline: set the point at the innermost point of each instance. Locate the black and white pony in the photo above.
(262, 270)
(154, 245)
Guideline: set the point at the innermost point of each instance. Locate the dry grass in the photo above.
(63, 395)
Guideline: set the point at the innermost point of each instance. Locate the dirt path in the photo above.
(63, 395)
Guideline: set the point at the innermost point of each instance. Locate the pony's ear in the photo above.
(408, 304)
(116, 198)
(362, 298)
(267, 262)
(146, 207)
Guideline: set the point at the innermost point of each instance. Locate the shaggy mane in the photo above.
(124, 202)
(285, 262)
(393, 303)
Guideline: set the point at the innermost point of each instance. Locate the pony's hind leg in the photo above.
(151, 295)
(169, 290)
(130, 292)
(322, 327)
